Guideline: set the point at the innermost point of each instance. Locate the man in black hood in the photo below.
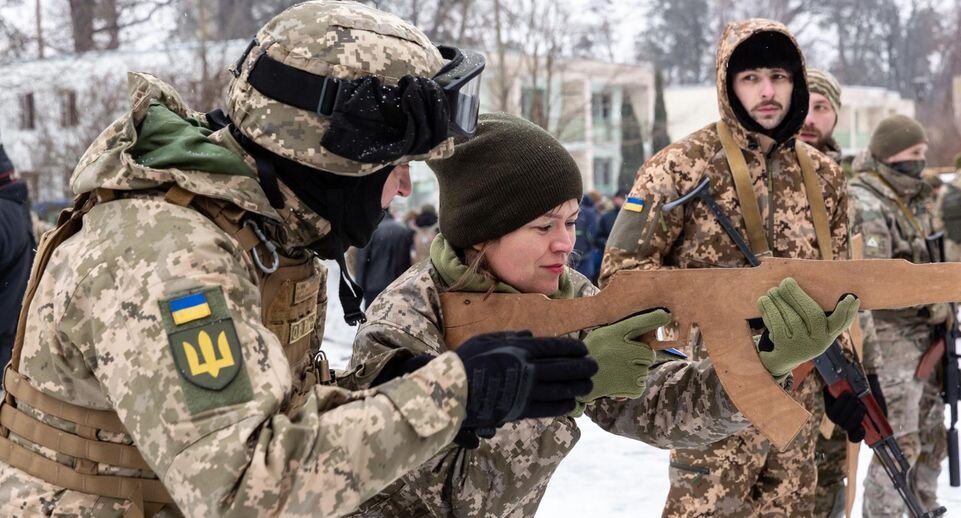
(16, 251)
(758, 178)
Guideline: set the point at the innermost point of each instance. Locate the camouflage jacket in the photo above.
(690, 236)
(99, 335)
(508, 474)
(891, 234)
(870, 352)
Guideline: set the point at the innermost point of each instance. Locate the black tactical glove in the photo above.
(846, 411)
(513, 376)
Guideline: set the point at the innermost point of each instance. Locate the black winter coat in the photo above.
(383, 259)
(16, 255)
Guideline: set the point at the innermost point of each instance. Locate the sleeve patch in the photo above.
(629, 225)
(206, 350)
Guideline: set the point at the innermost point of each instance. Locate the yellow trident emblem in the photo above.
(210, 364)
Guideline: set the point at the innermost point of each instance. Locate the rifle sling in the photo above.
(748, 200)
(902, 207)
(745, 191)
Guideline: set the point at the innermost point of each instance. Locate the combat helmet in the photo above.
(366, 73)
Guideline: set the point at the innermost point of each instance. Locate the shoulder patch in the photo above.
(630, 223)
(206, 349)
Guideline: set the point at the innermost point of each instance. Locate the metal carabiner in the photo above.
(271, 247)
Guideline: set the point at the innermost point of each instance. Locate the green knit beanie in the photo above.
(510, 173)
(895, 134)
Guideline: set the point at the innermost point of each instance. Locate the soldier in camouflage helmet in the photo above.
(890, 207)
(169, 362)
(519, 172)
(763, 98)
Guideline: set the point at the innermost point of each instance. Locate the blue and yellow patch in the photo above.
(206, 349)
(634, 204)
(189, 308)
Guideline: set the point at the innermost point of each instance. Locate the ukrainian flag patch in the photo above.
(634, 204)
(189, 308)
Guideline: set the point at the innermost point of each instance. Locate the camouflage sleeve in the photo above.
(683, 406)
(871, 356)
(212, 424)
(506, 475)
(869, 218)
(643, 234)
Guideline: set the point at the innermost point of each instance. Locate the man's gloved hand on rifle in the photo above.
(797, 329)
(623, 361)
(511, 376)
(847, 411)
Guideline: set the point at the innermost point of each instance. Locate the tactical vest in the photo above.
(293, 298)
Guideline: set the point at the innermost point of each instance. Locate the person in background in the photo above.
(586, 230)
(425, 229)
(891, 203)
(385, 258)
(17, 245)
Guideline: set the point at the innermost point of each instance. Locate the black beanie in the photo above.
(770, 49)
(510, 173)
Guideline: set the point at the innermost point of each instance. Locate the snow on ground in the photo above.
(605, 476)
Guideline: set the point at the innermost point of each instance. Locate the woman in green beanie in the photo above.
(508, 203)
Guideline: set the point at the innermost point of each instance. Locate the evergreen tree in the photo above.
(632, 145)
(659, 137)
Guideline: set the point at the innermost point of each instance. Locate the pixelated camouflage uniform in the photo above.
(508, 474)
(742, 475)
(95, 337)
(831, 452)
(915, 408)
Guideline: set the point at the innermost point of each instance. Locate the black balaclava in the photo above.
(770, 49)
(351, 204)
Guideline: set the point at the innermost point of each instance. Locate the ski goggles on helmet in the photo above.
(459, 79)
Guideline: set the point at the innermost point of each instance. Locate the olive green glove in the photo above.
(623, 361)
(797, 327)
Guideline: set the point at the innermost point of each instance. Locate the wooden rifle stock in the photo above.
(720, 301)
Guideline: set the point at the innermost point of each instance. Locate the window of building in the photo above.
(28, 113)
(534, 103)
(601, 106)
(69, 116)
(603, 174)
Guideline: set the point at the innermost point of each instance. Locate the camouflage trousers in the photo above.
(831, 458)
(916, 413)
(744, 475)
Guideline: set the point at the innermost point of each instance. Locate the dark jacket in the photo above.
(16, 255)
(384, 258)
(586, 227)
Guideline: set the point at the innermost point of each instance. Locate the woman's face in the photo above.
(532, 258)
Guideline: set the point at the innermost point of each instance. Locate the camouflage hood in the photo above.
(108, 162)
(734, 35)
(139, 152)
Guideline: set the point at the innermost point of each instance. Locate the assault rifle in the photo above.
(720, 301)
(946, 343)
(843, 376)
